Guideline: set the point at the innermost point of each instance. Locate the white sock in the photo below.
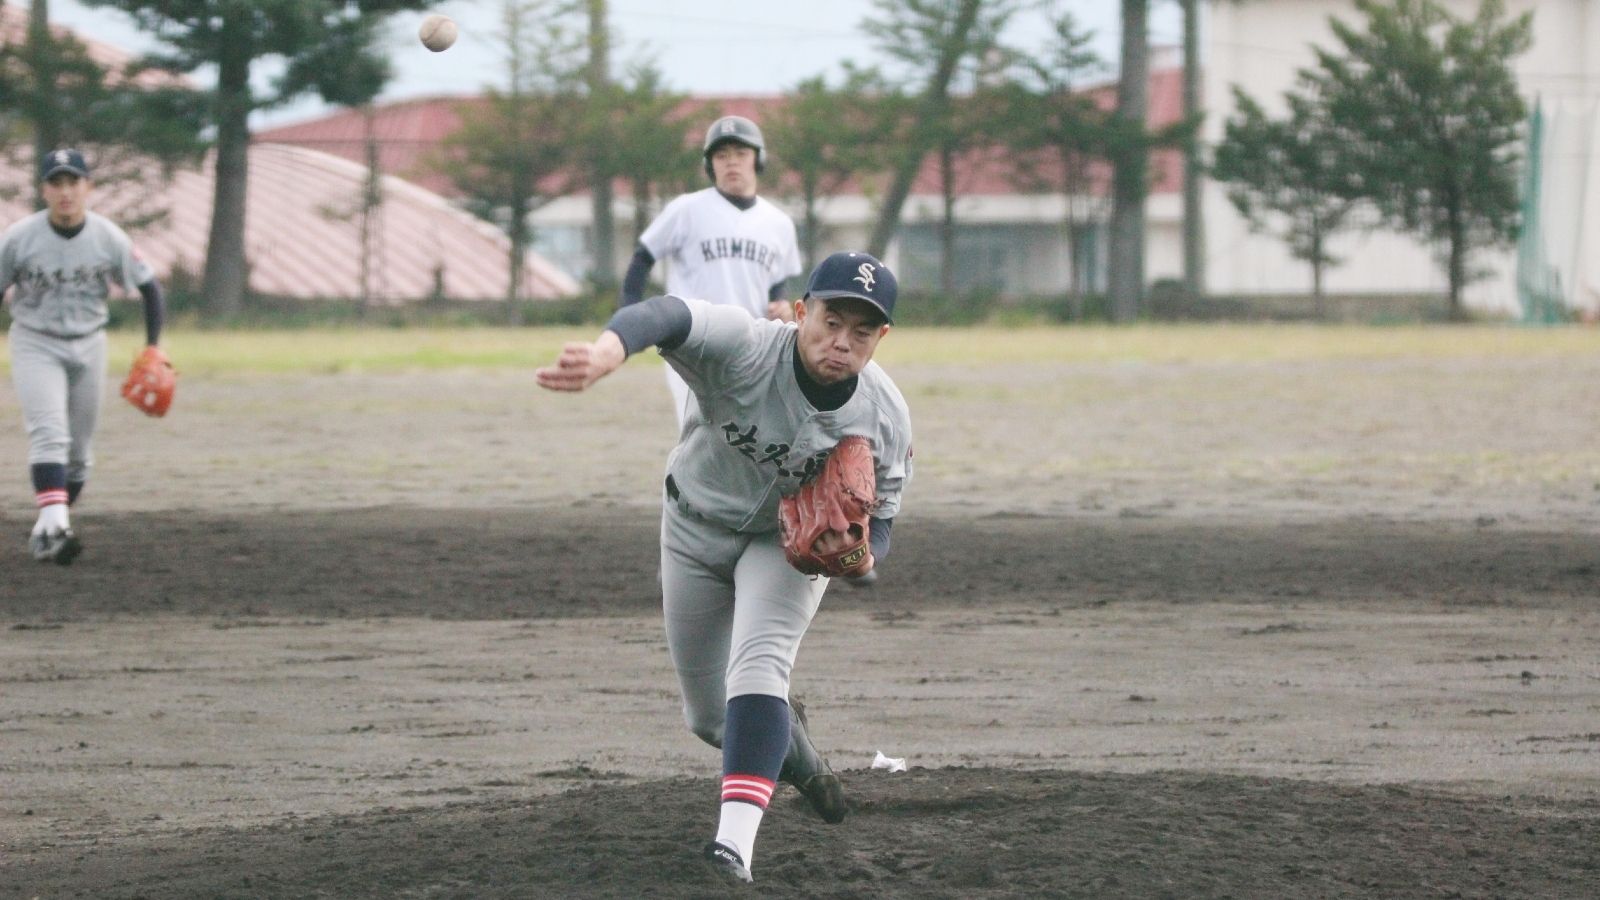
(737, 829)
(52, 518)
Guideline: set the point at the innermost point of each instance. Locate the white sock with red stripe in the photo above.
(744, 801)
(52, 510)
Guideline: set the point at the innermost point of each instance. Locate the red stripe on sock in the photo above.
(50, 497)
(747, 789)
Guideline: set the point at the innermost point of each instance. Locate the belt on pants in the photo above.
(678, 501)
(682, 505)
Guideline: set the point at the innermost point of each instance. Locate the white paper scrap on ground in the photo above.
(889, 762)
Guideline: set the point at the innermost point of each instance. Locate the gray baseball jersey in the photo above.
(61, 284)
(735, 609)
(757, 437)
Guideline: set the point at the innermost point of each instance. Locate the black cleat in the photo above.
(60, 546)
(726, 861)
(809, 772)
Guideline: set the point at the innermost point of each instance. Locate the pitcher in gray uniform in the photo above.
(774, 398)
(60, 264)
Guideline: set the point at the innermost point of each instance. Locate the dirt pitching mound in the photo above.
(946, 833)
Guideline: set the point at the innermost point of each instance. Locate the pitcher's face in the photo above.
(837, 337)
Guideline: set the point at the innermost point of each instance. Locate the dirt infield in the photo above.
(1229, 629)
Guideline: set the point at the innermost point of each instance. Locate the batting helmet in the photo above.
(738, 130)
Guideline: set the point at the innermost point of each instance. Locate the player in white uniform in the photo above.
(724, 243)
(60, 263)
(773, 398)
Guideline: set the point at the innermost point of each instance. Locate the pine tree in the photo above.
(1427, 105)
(328, 47)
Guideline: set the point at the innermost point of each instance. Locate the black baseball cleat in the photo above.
(809, 772)
(727, 862)
(60, 546)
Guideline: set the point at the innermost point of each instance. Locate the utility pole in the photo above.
(1130, 167)
(1194, 234)
(599, 78)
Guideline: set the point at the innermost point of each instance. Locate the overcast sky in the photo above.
(703, 46)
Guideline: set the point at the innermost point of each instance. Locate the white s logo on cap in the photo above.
(866, 277)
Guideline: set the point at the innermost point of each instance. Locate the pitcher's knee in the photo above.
(48, 451)
(706, 730)
(767, 675)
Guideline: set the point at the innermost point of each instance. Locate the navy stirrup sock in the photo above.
(755, 737)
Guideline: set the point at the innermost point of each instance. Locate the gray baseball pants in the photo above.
(59, 384)
(735, 613)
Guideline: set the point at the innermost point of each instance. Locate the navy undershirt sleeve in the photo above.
(633, 283)
(660, 322)
(878, 538)
(155, 311)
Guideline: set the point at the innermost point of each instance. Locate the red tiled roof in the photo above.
(14, 30)
(408, 131)
(303, 240)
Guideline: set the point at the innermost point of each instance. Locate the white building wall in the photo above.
(1260, 46)
(1040, 266)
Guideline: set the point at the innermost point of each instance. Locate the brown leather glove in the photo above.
(838, 500)
(151, 382)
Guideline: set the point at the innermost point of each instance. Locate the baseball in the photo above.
(437, 32)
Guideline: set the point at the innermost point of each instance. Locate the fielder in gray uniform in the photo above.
(60, 264)
(774, 399)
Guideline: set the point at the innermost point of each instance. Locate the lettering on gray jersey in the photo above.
(756, 437)
(60, 285)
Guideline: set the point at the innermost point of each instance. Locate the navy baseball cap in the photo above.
(64, 160)
(853, 274)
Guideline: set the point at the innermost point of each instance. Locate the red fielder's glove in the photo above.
(151, 383)
(839, 500)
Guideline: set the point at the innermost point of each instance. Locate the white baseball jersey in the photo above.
(61, 284)
(717, 251)
(757, 437)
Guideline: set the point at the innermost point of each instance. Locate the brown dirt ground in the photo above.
(1311, 629)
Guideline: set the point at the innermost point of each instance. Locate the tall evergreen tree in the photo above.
(43, 59)
(1427, 105)
(53, 92)
(826, 134)
(1289, 177)
(1061, 133)
(327, 46)
(520, 149)
(932, 38)
(650, 141)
